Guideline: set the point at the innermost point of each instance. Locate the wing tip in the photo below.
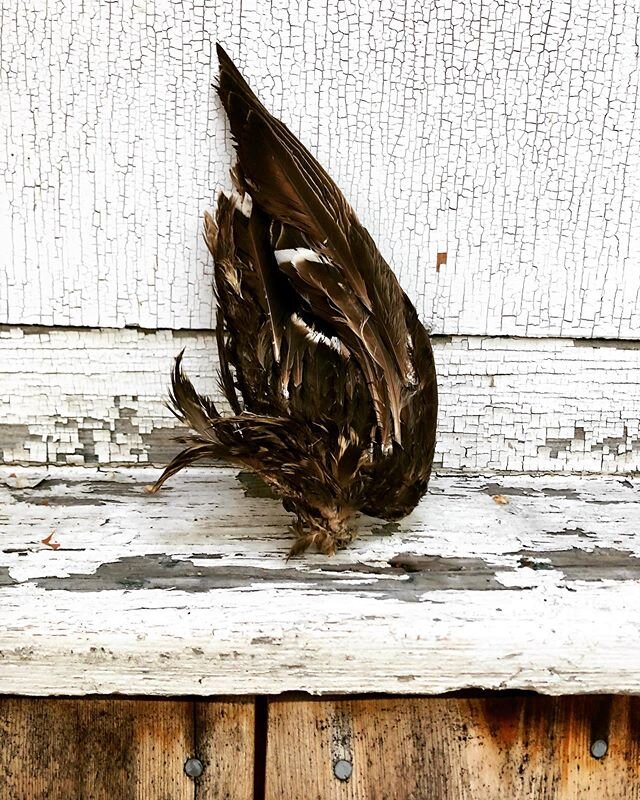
(223, 56)
(227, 66)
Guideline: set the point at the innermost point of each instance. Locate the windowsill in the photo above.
(189, 591)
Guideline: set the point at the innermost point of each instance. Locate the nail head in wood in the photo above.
(193, 767)
(342, 770)
(599, 748)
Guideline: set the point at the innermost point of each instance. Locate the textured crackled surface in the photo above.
(189, 592)
(96, 397)
(504, 134)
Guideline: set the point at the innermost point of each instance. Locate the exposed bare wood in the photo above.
(225, 736)
(98, 749)
(449, 749)
(97, 397)
(105, 588)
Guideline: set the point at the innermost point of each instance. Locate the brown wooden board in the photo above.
(225, 733)
(116, 749)
(454, 749)
(397, 749)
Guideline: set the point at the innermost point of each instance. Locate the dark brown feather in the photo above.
(326, 366)
(285, 179)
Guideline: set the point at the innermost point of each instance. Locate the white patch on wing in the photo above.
(320, 338)
(247, 205)
(411, 376)
(295, 254)
(242, 202)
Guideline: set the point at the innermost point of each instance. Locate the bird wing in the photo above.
(329, 257)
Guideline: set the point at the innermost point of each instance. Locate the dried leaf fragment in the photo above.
(49, 543)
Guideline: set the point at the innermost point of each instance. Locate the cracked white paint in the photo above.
(503, 133)
(97, 397)
(189, 592)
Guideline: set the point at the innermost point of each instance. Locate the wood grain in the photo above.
(117, 749)
(95, 749)
(454, 749)
(189, 591)
(225, 734)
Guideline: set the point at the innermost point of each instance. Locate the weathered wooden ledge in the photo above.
(494, 582)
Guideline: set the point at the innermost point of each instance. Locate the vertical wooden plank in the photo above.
(99, 749)
(616, 775)
(453, 749)
(225, 738)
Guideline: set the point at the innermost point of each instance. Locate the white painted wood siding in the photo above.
(503, 133)
(97, 397)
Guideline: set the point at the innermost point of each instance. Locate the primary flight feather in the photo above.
(326, 366)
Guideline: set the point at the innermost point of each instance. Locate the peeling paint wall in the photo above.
(493, 149)
(96, 397)
(504, 134)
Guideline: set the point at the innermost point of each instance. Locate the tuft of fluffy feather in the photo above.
(325, 364)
